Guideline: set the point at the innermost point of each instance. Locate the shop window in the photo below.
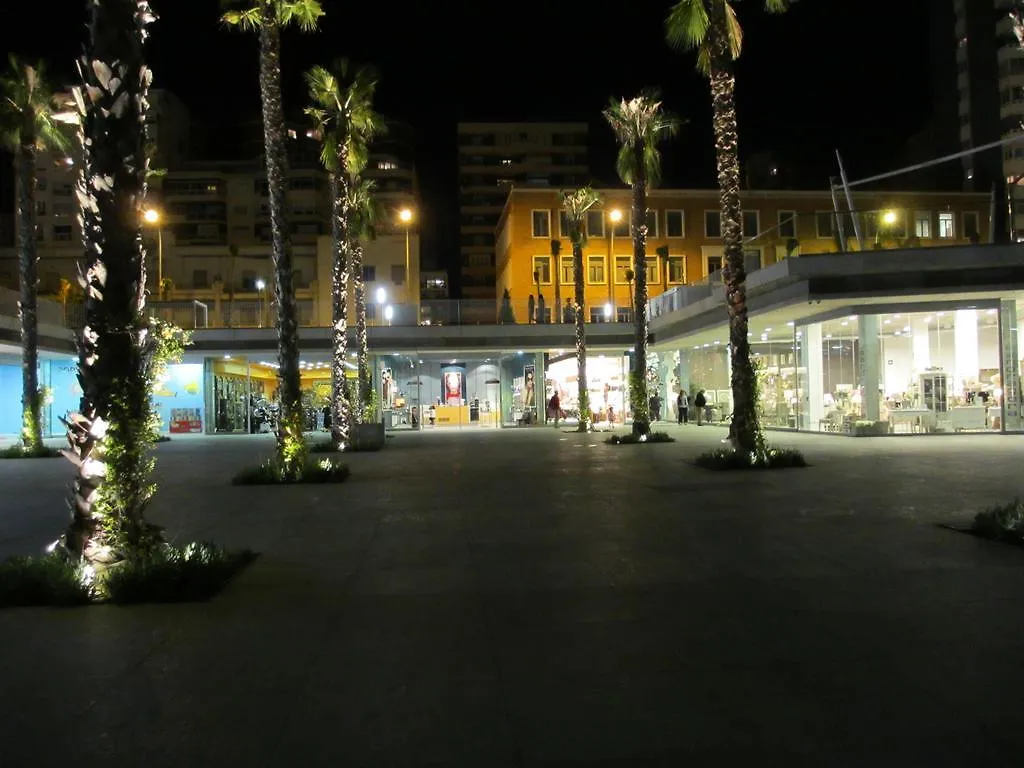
(712, 223)
(676, 270)
(595, 224)
(595, 270)
(825, 224)
(923, 224)
(675, 224)
(622, 266)
(970, 222)
(541, 223)
(946, 228)
(541, 271)
(787, 223)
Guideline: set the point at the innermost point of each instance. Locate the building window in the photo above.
(751, 223)
(200, 278)
(712, 223)
(563, 224)
(622, 266)
(597, 315)
(825, 224)
(595, 224)
(714, 264)
(624, 314)
(567, 276)
(595, 270)
(970, 222)
(676, 270)
(369, 273)
(946, 228)
(653, 272)
(923, 224)
(541, 223)
(398, 274)
(652, 222)
(787, 223)
(675, 224)
(541, 270)
(40, 207)
(62, 233)
(248, 280)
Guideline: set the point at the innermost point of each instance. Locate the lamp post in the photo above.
(614, 216)
(152, 217)
(405, 216)
(260, 285)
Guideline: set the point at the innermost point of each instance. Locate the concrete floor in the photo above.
(532, 597)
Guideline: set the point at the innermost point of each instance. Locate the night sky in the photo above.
(849, 74)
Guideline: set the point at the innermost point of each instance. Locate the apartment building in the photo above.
(685, 238)
(495, 158)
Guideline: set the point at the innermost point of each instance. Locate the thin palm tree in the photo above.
(269, 17)
(639, 125)
(711, 28)
(362, 226)
(29, 123)
(556, 266)
(344, 119)
(576, 204)
(111, 434)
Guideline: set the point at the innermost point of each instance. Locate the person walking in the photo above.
(683, 407)
(554, 408)
(699, 402)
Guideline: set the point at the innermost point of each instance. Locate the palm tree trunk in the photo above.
(290, 445)
(340, 414)
(638, 379)
(362, 342)
(111, 434)
(32, 428)
(582, 393)
(556, 250)
(743, 431)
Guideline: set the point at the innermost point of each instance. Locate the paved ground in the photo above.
(533, 598)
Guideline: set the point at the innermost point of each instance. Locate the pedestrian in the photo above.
(683, 407)
(699, 402)
(554, 408)
(654, 404)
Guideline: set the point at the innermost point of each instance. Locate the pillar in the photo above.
(920, 349)
(540, 388)
(965, 348)
(867, 345)
(812, 361)
(1009, 365)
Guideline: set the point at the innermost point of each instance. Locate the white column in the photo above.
(867, 344)
(813, 361)
(965, 348)
(920, 349)
(1009, 365)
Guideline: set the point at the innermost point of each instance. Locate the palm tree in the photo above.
(556, 250)
(345, 121)
(710, 27)
(28, 124)
(110, 435)
(576, 204)
(269, 17)
(362, 226)
(639, 124)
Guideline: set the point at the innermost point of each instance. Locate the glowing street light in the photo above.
(608, 311)
(260, 285)
(615, 216)
(152, 217)
(382, 295)
(389, 313)
(405, 215)
(889, 218)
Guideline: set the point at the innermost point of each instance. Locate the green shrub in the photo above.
(314, 471)
(170, 575)
(1005, 522)
(46, 580)
(770, 458)
(632, 439)
(322, 446)
(20, 452)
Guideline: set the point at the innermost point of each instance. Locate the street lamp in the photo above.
(260, 285)
(889, 218)
(405, 216)
(614, 216)
(152, 217)
(389, 312)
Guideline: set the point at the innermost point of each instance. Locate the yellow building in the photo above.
(776, 225)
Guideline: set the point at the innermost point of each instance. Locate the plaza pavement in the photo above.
(534, 597)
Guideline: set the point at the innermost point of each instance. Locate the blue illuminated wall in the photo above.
(179, 401)
(61, 376)
(10, 395)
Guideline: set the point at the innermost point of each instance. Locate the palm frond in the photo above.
(305, 14)
(735, 31)
(686, 27)
(247, 20)
(776, 6)
(576, 203)
(640, 124)
(28, 97)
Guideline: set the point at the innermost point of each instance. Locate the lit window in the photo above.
(542, 270)
(541, 223)
(292, 134)
(386, 165)
(946, 229)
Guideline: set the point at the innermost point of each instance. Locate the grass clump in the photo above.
(769, 458)
(20, 452)
(315, 471)
(632, 438)
(1003, 523)
(46, 580)
(171, 575)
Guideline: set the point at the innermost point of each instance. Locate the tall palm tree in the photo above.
(556, 250)
(711, 28)
(362, 226)
(29, 116)
(639, 125)
(110, 435)
(269, 17)
(576, 204)
(343, 114)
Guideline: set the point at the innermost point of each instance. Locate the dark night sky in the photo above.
(847, 74)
